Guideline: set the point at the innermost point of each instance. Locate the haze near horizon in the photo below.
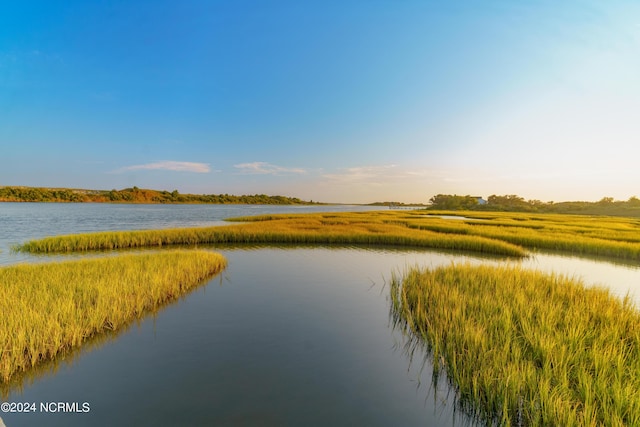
(350, 102)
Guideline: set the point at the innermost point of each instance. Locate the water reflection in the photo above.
(440, 393)
(620, 277)
(289, 337)
(67, 359)
(12, 390)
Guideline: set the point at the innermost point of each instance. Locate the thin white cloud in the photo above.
(264, 168)
(376, 183)
(364, 173)
(388, 175)
(170, 166)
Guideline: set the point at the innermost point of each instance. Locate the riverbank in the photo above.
(137, 195)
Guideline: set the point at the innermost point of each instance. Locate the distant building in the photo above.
(480, 200)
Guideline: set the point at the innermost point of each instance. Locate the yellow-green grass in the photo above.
(489, 232)
(50, 308)
(576, 234)
(523, 347)
(370, 229)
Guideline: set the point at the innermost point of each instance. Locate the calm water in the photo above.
(283, 337)
(24, 221)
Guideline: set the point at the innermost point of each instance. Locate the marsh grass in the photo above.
(508, 234)
(349, 229)
(49, 308)
(574, 234)
(526, 348)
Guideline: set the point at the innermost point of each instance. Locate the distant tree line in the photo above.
(514, 203)
(397, 204)
(136, 195)
(31, 194)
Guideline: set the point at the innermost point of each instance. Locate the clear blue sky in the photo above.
(336, 101)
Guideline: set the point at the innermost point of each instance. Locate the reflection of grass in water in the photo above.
(523, 347)
(443, 396)
(67, 358)
(50, 308)
(378, 249)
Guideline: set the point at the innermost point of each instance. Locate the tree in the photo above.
(605, 201)
(453, 202)
(633, 202)
(509, 202)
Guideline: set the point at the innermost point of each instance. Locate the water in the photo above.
(285, 336)
(282, 337)
(20, 222)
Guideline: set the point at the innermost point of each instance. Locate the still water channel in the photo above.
(284, 336)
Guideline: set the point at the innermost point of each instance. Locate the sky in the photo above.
(348, 101)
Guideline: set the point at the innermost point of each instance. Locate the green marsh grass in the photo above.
(523, 347)
(509, 234)
(352, 228)
(574, 234)
(50, 308)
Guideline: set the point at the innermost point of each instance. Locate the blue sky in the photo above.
(335, 101)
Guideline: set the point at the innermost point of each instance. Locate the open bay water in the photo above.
(284, 336)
